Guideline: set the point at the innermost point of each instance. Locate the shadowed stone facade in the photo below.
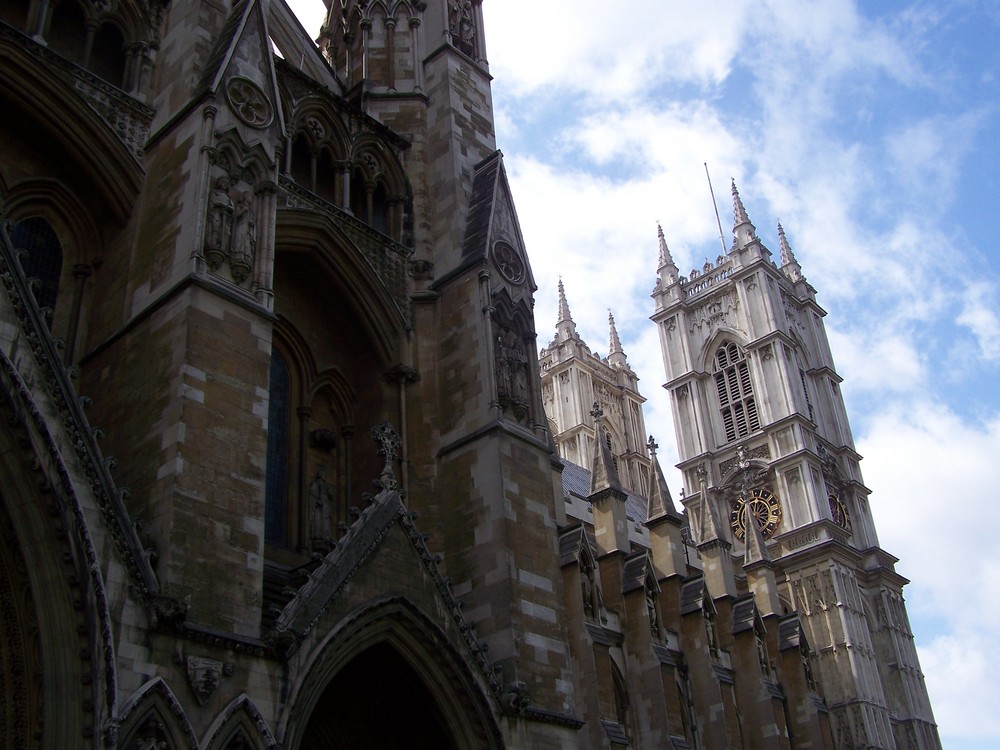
(277, 470)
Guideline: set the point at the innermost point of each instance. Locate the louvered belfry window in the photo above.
(736, 398)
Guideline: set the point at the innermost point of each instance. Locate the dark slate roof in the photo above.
(744, 613)
(616, 734)
(576, 481)
(477, 227)
(790, 633)
(227, 38)
(692, 594)
(637, 565)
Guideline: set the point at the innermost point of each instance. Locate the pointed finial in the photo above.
(743, 231)
(709, 527)
(739, 212)
(565, 327)
(616, 356)
(666, 259)
(756, 550)
(616, 343)
(660, 504)
(666, 269)
(789, 264)
(604, 474)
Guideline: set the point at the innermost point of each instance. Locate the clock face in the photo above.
(838, 512)
(765, 510)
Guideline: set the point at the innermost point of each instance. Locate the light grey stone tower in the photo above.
(763, 434)
(574, 378)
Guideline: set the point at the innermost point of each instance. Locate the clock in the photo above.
(838, 511)
(765, 510)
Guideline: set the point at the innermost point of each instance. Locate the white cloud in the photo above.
(611, 52)
(979, 314)
(935, 476)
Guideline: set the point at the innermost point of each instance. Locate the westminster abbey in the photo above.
(284, 466)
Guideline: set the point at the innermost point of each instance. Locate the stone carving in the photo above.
(151, 735)
(219, 225)
(512, 372)
(244, 239)
(388, 443)
(508, 263)
(322, 499)
(316, 128)
(231, 229)
(714, 313)
(710, 634)
(654, 618)
(742, 458)
(204, 675)
(249, 102)
(765, 664)
(462, 26)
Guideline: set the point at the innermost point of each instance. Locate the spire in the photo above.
(708, 527)
(789, 264)
(743, 231)
(616, 357)
(756, 550)
(666, 269)
(660, 504)
(604, 475)
(565, 327)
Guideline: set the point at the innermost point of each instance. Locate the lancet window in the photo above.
(279, 413)
(42, 259)
(737, 404)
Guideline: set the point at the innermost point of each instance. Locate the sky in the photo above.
(870, 131)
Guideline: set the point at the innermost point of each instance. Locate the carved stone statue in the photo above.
(244, 242)
(713, 643)
(654, 619)
(765, 664)
(321, 498)
(502, 357)
(462, 25)
(219, 225)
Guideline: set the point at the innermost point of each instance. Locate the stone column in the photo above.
(304, 413)
(81, 272)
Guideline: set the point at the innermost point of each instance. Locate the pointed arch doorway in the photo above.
(377, 702)
(388, 677)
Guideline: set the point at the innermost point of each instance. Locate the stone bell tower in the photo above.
(763, 434)
(574, 378)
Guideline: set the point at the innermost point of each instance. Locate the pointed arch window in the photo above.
(737, 403)
(622, 704)
(276, 484)
(43, 257)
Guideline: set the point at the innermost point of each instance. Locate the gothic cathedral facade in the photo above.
(277, 469)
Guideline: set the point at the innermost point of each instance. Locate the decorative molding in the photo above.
(249, 102)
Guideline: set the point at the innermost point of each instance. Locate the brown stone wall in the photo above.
(183, 400)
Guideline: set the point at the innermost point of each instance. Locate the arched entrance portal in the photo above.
(378, 701)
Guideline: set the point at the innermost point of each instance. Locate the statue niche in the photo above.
(231, 228)
(462, 25)
(512, 369)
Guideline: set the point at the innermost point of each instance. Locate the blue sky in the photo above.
(870, 130)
